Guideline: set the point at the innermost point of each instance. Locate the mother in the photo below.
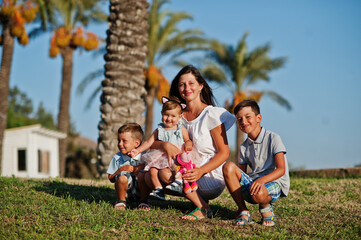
(207, 126)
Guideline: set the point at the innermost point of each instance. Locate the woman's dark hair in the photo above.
(206, 93)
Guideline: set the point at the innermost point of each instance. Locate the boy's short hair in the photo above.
(247, 103)
(134, 128)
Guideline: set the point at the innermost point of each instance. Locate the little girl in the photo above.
(169, 131)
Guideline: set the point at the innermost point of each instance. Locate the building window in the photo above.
(21, 160)
(43, 161)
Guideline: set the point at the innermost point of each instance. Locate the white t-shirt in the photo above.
(199, 132)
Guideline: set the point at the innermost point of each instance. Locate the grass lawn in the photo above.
(316, 208)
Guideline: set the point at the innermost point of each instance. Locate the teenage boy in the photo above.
(264, 152)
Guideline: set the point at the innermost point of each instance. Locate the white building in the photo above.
(31, 152)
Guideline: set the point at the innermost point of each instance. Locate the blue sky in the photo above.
(321, 78)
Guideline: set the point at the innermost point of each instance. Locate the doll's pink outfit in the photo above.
(185, 162)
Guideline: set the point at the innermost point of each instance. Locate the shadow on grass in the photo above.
(77, 192)
(185, 206)
(106, 194)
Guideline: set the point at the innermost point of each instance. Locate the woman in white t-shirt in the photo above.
(207, 126)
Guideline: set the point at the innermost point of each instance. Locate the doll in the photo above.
(185, 163)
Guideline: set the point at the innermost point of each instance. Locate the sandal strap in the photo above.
(209, 214)
(191, 214)
(120, 204)
(144, 205)
(267, 209)
(245, 213)
(177, 182)
(269, 219)
(200, 209)
(241, 217)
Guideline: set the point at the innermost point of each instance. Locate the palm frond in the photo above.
(88, 79)
(42, 14)
(279, 99)
(218, 50)
(170, 26)
(213, 72)
(179, 63)
(92, 97)
(182, 43)
(240, 54)
(36, 32)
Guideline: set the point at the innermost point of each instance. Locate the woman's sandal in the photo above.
(270, 219)
(120, 205)
(208, 214)
(244, 217)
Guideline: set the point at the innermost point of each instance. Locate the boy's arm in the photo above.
(127, 168)
(138, 168)
(277, 173)
(188, 145)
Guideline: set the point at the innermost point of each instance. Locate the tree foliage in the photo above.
(13, 16)
(21, 111)
(238, 69)
(67, 19)
(166, 43)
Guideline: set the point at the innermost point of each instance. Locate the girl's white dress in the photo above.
(157, 158)
(212, 184)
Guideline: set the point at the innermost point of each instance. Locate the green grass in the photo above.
(316, 208)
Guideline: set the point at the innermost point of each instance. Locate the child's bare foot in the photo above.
(120, 205)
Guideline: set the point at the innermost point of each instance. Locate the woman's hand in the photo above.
(171, 150)
(193, 175)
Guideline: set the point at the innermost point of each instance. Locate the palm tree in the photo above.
(165, 44)
(239, 68)
(122, 99)
(13, 17)
(66, 18)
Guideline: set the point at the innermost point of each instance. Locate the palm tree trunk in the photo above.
(63, 117)
(6, 60)
(123, 94)
(150, 112)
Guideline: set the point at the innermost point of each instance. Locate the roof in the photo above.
(37, 128)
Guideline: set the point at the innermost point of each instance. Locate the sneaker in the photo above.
(157, 194)
(175, 186)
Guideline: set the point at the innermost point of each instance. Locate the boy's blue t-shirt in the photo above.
(120, 160)
(259, 156)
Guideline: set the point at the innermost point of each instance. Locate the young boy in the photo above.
(264, 152)
(123, 169)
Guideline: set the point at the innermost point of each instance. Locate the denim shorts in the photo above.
(273, 189)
